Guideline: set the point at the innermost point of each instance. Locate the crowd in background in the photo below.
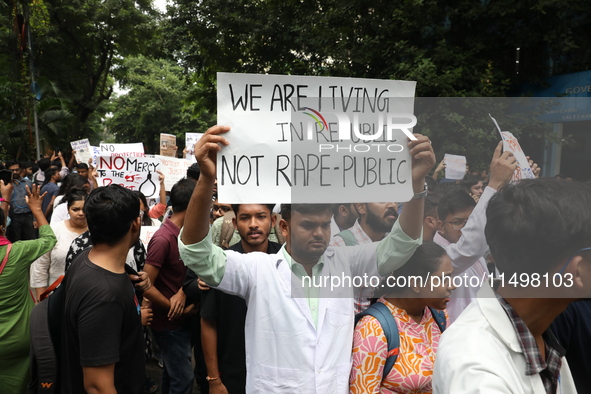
(217, 294)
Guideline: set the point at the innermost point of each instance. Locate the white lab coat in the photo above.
(285, 352)
(481, 353)
(466, 256)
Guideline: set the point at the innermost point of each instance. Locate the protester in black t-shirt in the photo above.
(102, 341)
(223, 316)
(572, 328)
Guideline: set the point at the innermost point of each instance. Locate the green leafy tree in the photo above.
(456, 48)
(75, 52)
(85, 45)
(154, 104)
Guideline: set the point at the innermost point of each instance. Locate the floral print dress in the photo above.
(413, 370)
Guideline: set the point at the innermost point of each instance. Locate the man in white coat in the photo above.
(461, 232)
(298, 338)
(539, 233)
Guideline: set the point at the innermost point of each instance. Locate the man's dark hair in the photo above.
(453, 201)
(286, 209)
(446, 187)
(110, 211)
(10, 163)
(236, 208)
(180, 194)
(43, 164)
(194, 171)
(535, 225)
(49, 173)
(81, 166)
(335, 207)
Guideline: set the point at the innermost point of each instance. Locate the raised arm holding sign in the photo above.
(324, 330)
(510, 144)
(455, 166)
(83, 150)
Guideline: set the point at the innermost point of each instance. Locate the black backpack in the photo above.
(46, 328)
(46, 323)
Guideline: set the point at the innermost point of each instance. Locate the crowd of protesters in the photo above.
(227, 297)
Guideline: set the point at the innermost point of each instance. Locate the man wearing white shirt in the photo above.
(461, 233)
(455, 208)
(298, 338)
(539, 232)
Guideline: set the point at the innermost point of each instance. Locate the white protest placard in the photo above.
(511, 144)
(455, 166)
(135, 173)
(126, 150)
(146, 234)
(167, 145)
(314, 139)
(83, 150)
(190, 139)
(173, 169)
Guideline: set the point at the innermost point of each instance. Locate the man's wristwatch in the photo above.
(209, 379)
(422, 194)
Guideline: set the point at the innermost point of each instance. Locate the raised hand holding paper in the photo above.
(455, 166)
(511, 144)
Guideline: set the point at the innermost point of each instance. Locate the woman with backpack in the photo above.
(16, 302)
(380, 364)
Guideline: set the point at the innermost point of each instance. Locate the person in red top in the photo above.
(167, 271)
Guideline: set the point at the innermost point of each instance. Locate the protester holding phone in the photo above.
(6, 176)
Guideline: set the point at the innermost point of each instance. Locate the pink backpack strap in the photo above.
(9, 246)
